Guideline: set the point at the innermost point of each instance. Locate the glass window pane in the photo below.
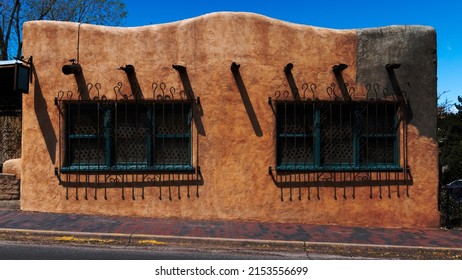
(131, 134)
(336, 133)
(172, 134)
(86, 151)
(374, 150)
(172, 118)
(85, 119)
(171, 151)
(295, 131)
(294, 118)
(378, 118)
(295, 150)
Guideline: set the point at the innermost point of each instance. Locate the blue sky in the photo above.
(444, 16)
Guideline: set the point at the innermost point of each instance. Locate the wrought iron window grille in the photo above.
(342, 141)
(127, 141)
(15, 76)
(332, 136)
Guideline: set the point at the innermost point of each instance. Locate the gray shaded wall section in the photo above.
(414, 47)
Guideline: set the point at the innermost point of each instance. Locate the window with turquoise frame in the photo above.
(336, 136)
(127, 136)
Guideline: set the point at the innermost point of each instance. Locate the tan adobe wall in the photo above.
(234, 136)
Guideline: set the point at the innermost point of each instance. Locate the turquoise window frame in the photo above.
(315, 163)
(106, 139)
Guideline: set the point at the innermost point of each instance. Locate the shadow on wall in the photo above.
(246, 100)
(291, 80)
(386, 182)
(41, 111)
(181, 183)
(133, 80)
(197, 109)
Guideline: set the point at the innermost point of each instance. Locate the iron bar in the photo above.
(337, 69)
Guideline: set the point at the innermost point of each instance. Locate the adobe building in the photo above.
(232, 116)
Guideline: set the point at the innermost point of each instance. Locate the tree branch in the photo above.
(45, 10)
(18, 32)
(3, 48)
(8, 30)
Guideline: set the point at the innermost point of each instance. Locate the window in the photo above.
(337, 136)
(119, 136)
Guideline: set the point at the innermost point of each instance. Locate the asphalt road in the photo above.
(13, 250)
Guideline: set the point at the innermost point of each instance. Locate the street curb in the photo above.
(50, 235)
(312, 249)
(383, 251)
(227, 243)
(147, 240)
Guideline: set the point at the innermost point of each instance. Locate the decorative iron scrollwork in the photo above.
(64, 95)
(334, 92)
(278, 95)
(160, 92)
(342, 180)
(309, 87)
(118, 92)
(10, 137)
(375, 89)
(165, 182)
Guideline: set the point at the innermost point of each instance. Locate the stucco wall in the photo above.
(234, 137)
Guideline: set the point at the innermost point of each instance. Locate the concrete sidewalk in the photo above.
(314, 239)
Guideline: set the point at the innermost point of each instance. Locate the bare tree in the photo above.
(444, 105)
(14, 13)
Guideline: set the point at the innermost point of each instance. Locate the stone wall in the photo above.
(234, 138)
(9, 187)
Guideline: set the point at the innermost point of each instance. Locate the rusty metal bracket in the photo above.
(394, 81)
(133, 81)
(290, 79)
(179, 68)
(402, 100)
(337, 69)
(235, 67)
(186, 83)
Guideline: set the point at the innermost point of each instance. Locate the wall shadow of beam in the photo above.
(197, 109)
(398, 92)
(337, 69)
(129, 180)
(76, 70)
(341, 179)
(390, 182)
(246, 100)
(44, 121)
(133, 80)
(291, 81)
(95, 183)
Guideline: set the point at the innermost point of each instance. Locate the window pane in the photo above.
(294, 118)
(86, 151)
(85, 135)
(378, 118)
(378, 133)
(295, 150)
(374, 150)
(172, 118)
(295, 134)
(336, 133)
(171, 151)
(85, 119)
(172, 134)
(131, 134)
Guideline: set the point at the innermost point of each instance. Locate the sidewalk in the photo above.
(313, 238)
